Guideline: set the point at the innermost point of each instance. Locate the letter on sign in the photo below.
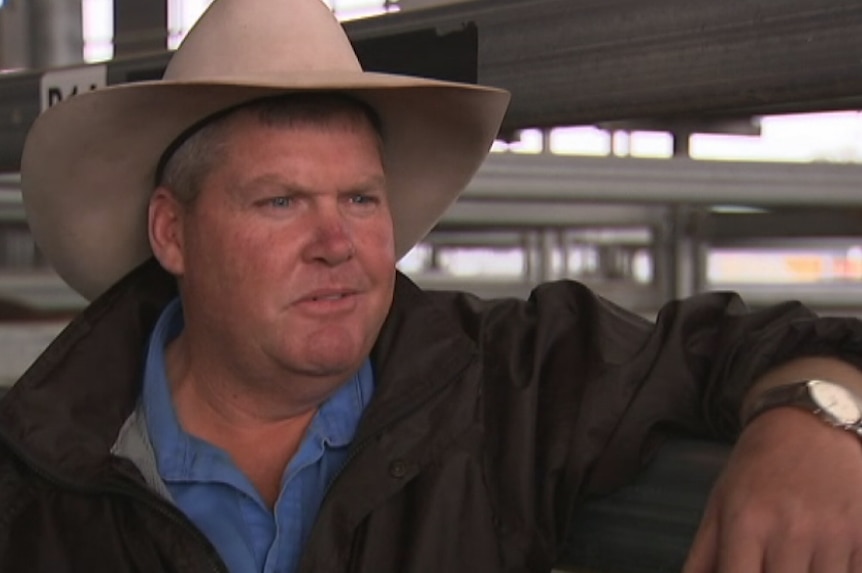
(59, 85)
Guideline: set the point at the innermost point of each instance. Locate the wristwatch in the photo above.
(830, 401)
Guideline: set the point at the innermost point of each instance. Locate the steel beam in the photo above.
(536, 178)
(580, 189)
(578, 61)
(466, 213)
(581, 61)
(790, 228)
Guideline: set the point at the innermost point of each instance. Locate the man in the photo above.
(269, 395)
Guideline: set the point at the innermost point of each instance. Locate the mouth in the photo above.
(327, 305)
(328, 301)
(329, 297)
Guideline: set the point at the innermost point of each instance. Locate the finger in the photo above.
(704, 548)
(740, 551)
(856, 561)
(831, 557)
(788, 554)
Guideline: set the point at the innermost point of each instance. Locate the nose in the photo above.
(332, 242)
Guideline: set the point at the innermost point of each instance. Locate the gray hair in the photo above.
(189, 159)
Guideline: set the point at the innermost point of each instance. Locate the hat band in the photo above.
(186, 135)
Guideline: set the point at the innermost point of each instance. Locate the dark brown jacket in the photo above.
(490, 422)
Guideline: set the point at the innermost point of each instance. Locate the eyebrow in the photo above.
(372, 183)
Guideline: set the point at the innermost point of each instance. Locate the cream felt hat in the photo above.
(89, 163)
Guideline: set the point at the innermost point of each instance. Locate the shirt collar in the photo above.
(169, 441)
(337, 419)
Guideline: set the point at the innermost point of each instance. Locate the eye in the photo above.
(363, 199)
(280, 201)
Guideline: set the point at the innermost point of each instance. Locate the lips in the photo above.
(327, 295)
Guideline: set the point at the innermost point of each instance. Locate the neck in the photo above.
(245, 385)
(261, 434)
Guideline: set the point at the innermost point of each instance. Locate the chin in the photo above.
(329, 356)
(324, 366)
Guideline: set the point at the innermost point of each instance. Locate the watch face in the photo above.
(836, 401)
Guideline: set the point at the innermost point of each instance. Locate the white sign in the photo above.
(58, 85)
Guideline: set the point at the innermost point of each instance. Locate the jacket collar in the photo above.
(419, 351)
(66, 411)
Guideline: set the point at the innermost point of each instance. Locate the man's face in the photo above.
(288, 256)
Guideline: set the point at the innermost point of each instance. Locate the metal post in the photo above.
(56, 33)
(41, 34)
(140, 27)
(673, 284)
(681, 143)
(563, 242)
(534, 270)
(549, 248)
(14, 44)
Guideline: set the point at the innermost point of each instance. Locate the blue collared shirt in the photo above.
(209, 488)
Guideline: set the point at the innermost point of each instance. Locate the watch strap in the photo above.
(799, 395)
(794, 394)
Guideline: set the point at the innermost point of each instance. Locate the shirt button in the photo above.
(398, 469)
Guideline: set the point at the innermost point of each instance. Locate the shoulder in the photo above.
(566, 306)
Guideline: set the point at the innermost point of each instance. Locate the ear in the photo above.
(165, 228)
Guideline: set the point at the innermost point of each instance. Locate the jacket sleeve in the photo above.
(578, 390)
(700, 358)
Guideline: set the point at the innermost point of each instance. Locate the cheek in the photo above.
(378, 245)
(380, 265)
(261, 259)
(379, 234)
(230, 257)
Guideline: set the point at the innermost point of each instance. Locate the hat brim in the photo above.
(88, 165)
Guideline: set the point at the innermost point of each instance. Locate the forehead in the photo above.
(333, 120)
(204, 140)
(341, 152)
(309, 110)
(287, 118)
(332, 131)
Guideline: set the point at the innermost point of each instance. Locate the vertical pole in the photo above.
(41, 34)
(14, 35)
(140, 27)
(56, 33)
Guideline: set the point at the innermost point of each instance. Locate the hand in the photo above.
(789, 501)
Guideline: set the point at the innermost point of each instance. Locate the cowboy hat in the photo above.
(89, 163)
